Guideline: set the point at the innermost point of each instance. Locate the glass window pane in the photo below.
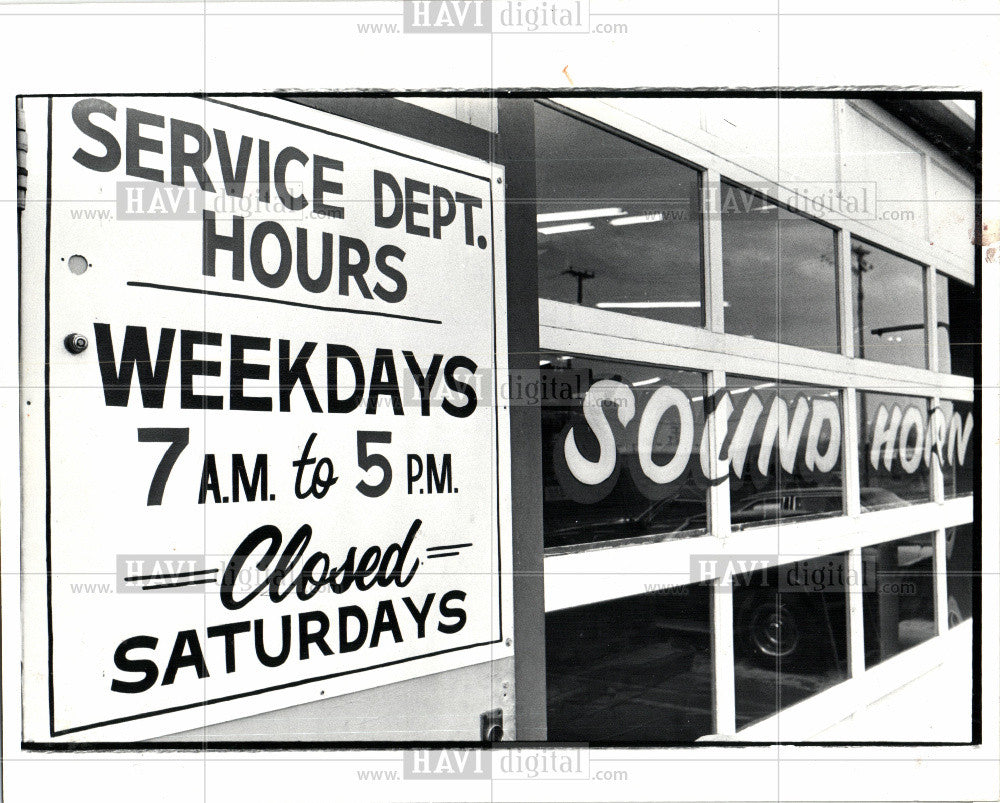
(959, 332)
(898, 596)
(779, 272)
(637, 669)
(962, 577)
(619, 225)
(894, 464)
(790, 634)
(889, 308)
(619, 446)
(784, 444)
(958, 448)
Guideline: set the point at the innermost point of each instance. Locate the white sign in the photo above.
(263, 456)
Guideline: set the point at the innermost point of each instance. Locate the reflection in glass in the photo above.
(790, 634)
(811, 488)
(962, 576)
(779, 272)
(637, 669)
(625, 502)
(889, 310)
(958, 459)
(619, 225)
(894, 466)
(959, 333)
(898, 599)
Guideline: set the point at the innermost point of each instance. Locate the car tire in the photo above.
(771, 629)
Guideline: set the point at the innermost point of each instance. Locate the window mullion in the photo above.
(933, 363)
(719, 522)
(931, 325)
(941, 581)
(711, 194)
(845, 294)
(719, 519)
(723, 658)
(851, 455)
(855, 614)
(937, 470)
(852, 506)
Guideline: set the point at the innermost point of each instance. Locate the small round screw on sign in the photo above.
(76, 343)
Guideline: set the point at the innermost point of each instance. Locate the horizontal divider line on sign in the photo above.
(284, 302)
(136, 578)
(201, 581)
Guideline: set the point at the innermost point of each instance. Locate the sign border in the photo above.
(498, 521)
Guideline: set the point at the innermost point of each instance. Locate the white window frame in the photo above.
(609, 571)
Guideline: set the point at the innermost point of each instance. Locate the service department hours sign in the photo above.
(263, 457)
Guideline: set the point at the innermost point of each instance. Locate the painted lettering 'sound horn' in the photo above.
(912, 436)
(801, 437)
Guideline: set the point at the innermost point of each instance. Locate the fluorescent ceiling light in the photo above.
(656, 217)
(544, 362)
(563, 229)
(652, 304)
(648, 304)
(579, 214)
(642, 382)
(738, 391)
